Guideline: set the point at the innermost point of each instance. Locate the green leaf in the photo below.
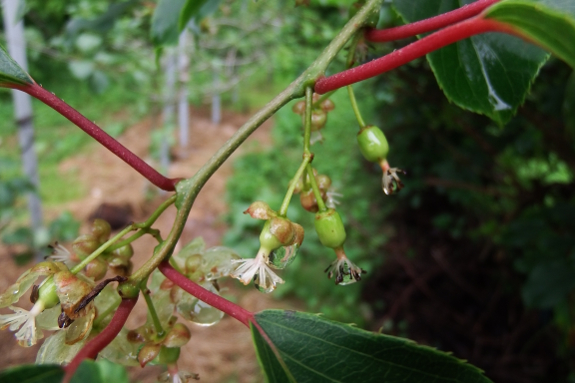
(549, 283)
(32, 373)
(268, 360)
(549, 23)
(489, 74)
(101, 371)
(314, 349)
(190, 10)
(10, 71)
(165, 22)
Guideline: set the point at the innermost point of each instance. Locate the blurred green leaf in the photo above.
(10, 71)
(549, 23)
(31, 373)
(489, 74)
(314, 349)
(102, 371)
(549, 283)
(22, 235)
(165, 22)
(189, 11)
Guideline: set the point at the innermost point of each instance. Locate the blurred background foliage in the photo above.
(476, 255)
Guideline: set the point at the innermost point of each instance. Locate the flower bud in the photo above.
(327, 105)
(323, 182)
(85, 245)
(330, 229)
(124, 252)
(148, 353)
(260, 210)
(308, 201)
(96, 269)
(178, 336)
(298, 107)
(101, 230)
(372, 143)
(318, 119)
(282, 229)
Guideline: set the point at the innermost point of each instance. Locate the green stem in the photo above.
(316, 191)
(153, 232)
(350, 62)
(188, 190)
(355, 107)
(285, 204)
(103, 314)
(307, 124)
(152, 311)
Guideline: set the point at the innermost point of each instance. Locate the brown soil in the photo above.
(223, 352)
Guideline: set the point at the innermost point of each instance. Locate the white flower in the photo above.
(61, 254)
(257, 269)
(23, 322)
(332, 198)
(346, 272)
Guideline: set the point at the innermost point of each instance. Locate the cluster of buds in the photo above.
(279, 241)
(117, 261)
(307, 197)
(318, 115)
(374, 147)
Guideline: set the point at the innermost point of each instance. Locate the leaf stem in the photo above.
(97, 344)
(214, 300)
(99, 135)
(435, 41)
(428, 25)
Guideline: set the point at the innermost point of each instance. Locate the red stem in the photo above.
(97, 344)
(412, 51)
(204, 295)
(99, 135)
(428, 25)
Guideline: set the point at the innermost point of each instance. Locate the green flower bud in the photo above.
(124, 252)
(85, 245)
(318, 119)
(330, 229)
(372, 143)
(47, 293)
(269, 241)
(101, 230)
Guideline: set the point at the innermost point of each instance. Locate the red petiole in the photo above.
(206, 296)
(419, 48)
(99, 135)
(428, 25)
(98, 343)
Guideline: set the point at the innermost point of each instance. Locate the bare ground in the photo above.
(221, 353)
